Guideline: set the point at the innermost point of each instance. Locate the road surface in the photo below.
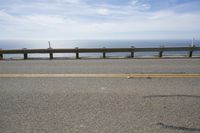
(99, 104)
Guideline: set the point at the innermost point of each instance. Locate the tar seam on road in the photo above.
(99, 75)
(178, 128)
(171, 96)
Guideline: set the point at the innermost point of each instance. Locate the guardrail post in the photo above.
(25, 54)
(1, 55)
(77, 53)
(161, 52)
(104, 53)
(191, 51)
(50, 53)
(132, 51)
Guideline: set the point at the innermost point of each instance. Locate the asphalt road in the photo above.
(102, 66)
(100, 105)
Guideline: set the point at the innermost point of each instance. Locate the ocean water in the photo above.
(19, 44)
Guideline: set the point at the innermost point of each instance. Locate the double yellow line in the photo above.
(166, 75)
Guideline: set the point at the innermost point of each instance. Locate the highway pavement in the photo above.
(102, 66)
(86, 104)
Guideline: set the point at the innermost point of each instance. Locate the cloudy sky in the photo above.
(99, 19)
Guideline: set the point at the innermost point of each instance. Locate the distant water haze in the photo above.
(18, 44)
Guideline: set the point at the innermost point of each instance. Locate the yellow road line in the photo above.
(100, 75)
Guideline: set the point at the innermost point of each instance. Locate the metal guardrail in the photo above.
(104, 50)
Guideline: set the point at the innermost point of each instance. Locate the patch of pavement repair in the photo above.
(162, 125)
(170, 126)
(82, 126)
(103, 88)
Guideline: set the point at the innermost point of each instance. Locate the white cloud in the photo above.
(70, 1)
(103, 11)
(134, 2)
(45, 19)
(84, 21)
(138, 5)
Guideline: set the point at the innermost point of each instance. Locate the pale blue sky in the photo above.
(99, 19)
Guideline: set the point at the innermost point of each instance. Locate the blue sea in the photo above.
(19, 44)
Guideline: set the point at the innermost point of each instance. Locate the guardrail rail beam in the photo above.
(132, 50)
